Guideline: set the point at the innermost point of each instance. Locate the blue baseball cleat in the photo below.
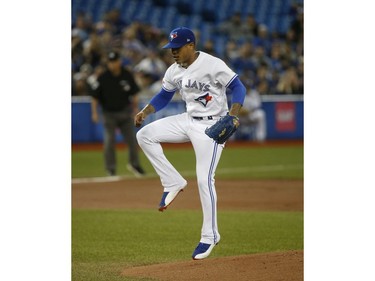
(168, 198)
(202, 251)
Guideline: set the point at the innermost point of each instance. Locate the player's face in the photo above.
(184, 55)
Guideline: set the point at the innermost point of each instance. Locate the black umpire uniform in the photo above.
(115, 90)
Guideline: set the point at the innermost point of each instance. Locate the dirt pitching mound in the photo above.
(283, 266)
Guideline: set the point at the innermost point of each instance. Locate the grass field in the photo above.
(236, 162)
(104, 242)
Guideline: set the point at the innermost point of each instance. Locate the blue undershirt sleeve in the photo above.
(161, 99)
(238, 91)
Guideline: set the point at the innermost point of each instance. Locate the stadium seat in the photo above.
(208, 15)
(197, 14)
(161, 3)
(184, 8)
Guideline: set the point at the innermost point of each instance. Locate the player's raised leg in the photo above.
(172, 130)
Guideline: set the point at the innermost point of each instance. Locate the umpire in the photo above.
(115, 91)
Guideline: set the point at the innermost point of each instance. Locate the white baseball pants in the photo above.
(178, 129)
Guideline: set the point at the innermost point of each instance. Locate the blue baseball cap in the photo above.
(179, 37)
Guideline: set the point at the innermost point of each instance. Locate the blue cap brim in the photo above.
(172, 45)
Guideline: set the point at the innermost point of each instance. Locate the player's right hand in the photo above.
(139, 118)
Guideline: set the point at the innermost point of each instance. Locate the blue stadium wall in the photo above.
(284, 117)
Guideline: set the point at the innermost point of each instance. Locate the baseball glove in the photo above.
(223, 129)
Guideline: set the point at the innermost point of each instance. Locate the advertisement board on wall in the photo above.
(285, 116)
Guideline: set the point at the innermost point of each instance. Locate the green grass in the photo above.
(246, 163)
(104, 242)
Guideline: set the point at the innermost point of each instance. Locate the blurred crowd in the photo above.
(269, 62)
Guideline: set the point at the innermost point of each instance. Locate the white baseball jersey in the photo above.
(202, 85)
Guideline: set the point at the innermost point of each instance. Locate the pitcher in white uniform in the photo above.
(201, 80)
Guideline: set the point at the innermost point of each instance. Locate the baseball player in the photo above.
(201, 80)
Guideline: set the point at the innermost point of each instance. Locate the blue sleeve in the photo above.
(161, 99)
(238, 91)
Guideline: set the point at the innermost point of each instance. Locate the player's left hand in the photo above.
(223, 129)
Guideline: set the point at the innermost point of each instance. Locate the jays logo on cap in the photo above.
(173, 35)
(179, 37)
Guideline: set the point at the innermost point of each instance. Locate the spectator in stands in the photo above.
(106, 40)
(133, 48)
(300, 68)
(166, 56)
(252, 116)
(297, 23)
(263, 39)
(263, 73)
(198, 38)
(271, 84)
(260, 57)
(288, 83)
(98, 70)
(148, 85)
(101, 26)
(113, 17)
(248, 78)
(152, 65)
(276, 56)
(93, 50)
(232, 27)
(77, 51)
(290, 47)
(149, 73)
(263, 87)
(107, 34)
(150, 36)
(82, 26)
(209, 48)
(244, 61)
(144, 81)
(80, 85)
(115, 91)
(249, 28)
(232, 52)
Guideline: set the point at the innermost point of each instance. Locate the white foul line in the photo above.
(232, 170)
